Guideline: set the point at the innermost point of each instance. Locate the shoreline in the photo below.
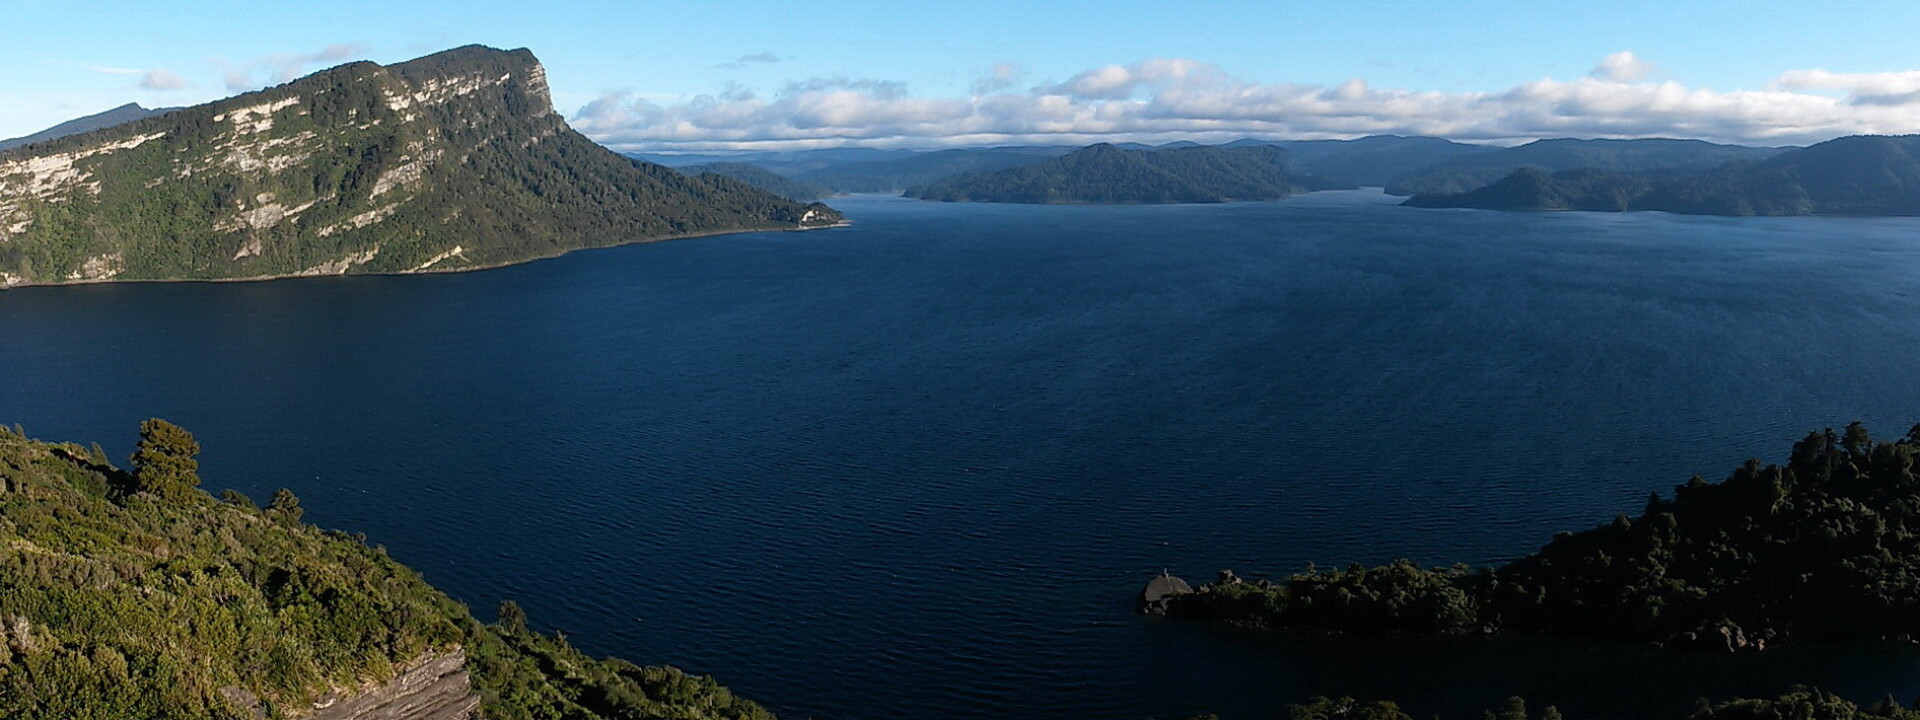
(429, 271)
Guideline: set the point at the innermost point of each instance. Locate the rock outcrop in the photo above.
(435, 688)
(1159, 591)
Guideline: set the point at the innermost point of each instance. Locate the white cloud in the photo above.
(157, 79)
(1168, 99)
(161, 80)
(1623, 67)
(1883, 88)
(759, 58)
(282, 67)
(999, 77)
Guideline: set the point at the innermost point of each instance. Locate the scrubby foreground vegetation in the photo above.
(134, 594)
(1796, 704)
(1827, 544)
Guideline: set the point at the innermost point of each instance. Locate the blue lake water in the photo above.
(918, 467)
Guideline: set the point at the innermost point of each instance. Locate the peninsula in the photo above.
(452, 161)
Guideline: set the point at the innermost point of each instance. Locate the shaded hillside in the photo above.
(118, 116)
(761, 178)
(790, 163)
(1481, 169)
(898, 174)
(455, 160)
(1859, 175)
(134, 594)
(1104, 174)
(1825, 544)
(1376, 160)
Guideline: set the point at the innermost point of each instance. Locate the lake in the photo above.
(919, 467)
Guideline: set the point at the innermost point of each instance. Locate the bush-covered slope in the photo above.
(454, 160)
(1827, 544)
(128, 595)
(1105, 174)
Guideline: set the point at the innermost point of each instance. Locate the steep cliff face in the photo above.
(435, 688)
(451, 161)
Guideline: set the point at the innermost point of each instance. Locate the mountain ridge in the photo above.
(1108, 174)
(1875, 175)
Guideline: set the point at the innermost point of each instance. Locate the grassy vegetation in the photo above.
(127, 595)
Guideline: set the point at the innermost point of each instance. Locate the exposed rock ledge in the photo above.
(434, 688)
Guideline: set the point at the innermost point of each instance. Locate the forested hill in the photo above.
(1826, 544)
(455, 160)
(762, 178)
(1473, 171)
(1105, 174)
(134, 594)
(1858, 175)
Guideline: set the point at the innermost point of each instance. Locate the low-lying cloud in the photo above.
(759, 58)
(282, 67)
(1167, 99)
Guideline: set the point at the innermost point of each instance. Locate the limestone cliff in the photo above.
(451, 161)
(435, 688)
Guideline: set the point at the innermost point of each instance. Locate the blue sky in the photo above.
(766, 74)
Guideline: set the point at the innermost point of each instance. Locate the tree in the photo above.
(163, 461)
(285, 507)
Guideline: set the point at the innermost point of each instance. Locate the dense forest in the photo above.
(1105, 174)
(1825, 545)
(131, 594)
(1478, 170)
(1858, 175)
(451, 161)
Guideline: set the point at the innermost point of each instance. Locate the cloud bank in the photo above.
(1167, 99)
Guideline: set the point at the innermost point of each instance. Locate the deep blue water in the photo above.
(917, 468)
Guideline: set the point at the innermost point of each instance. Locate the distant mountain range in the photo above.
(1111, 175)
(99, 121)
(1859, 175)
(1376, 160)
(1476, 170)
(451, 161)
(786, 187)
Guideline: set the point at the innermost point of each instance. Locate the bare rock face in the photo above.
(1160, 591)
(434, 688)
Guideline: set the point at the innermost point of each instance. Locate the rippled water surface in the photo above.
(917, 468)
